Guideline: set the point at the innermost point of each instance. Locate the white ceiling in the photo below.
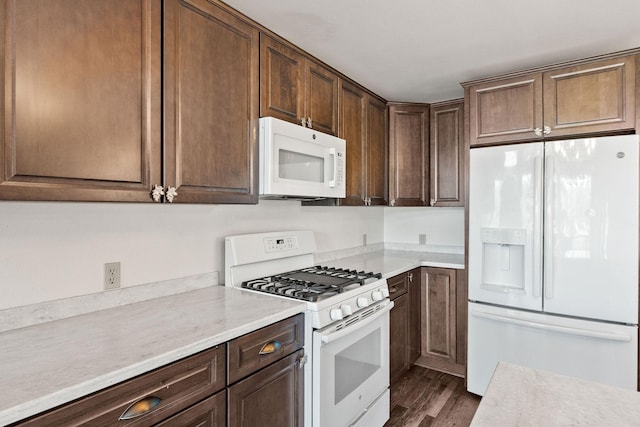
(420, 50)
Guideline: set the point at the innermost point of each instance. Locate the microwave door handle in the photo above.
(332, 152)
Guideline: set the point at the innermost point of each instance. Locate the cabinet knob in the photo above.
(411, 277)
(392, 202)
(547, 130)
(537, 131)
(432, 202)
(171, 194)
(303, 122)
(309, 122)
(157, 193)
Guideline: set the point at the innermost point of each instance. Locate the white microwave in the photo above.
(300, 163)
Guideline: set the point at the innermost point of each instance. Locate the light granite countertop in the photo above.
(50, 363)
(523, 397)
(45, 365)
(393, 262)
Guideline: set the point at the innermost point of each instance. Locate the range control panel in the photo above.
(279, 244)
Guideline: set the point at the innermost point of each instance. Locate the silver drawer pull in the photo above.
(139, 408)
(270, 347)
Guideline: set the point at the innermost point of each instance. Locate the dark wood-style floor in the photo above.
(424, 397)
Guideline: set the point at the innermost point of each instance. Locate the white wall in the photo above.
(442, 226)
(50, 251)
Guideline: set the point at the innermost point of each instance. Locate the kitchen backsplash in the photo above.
(52, 251)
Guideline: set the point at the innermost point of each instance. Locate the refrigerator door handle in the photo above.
(611, 336)
(537, 232)
(548, 225)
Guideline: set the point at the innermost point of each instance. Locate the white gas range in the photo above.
(346, 330)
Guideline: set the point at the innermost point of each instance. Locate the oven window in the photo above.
(300, 167)
(356, 363)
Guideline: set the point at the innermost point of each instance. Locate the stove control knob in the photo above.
(346, 310)
(335, 314)
(376, 295)
(385, 292)
(362, 302)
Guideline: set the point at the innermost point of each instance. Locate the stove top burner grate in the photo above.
(311, 283)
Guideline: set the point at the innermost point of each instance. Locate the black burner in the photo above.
(312, 283)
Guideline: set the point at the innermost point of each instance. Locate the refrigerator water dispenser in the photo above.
(503, 259)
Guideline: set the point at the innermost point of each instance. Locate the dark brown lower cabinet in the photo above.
(398, 338)
(211, 412)
(272, 396)
(442, 327)
(404, 322)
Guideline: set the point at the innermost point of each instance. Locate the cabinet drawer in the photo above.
(397, 285)
(256, 350)
(177, 385)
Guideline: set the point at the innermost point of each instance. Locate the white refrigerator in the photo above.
(553, 259)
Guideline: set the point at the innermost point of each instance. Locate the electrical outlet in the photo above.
(422, 239)
(111, 275)
(364, 239)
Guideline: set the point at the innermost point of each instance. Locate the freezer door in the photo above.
(591, 228)
(505, 225)
(596, 351)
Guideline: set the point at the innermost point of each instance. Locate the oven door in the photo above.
(351, 369)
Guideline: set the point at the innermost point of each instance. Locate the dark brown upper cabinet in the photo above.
(363, 124)
(296, 88)
(426, 154)
(81, 100)
(211, 101)
(83, 108)
(447, 153)
(582, 98)
(408, 154)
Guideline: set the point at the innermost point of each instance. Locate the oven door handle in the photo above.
(334, 336)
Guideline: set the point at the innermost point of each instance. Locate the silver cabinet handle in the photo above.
(411, 277)
(303, 122)
(309, 122)
(392, 202)
(537, 131)
(432, 202)
(547, 130)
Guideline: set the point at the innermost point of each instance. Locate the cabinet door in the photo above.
(399, 338)
(447, 154)
(211, 104)
(408, 154)
(81, 100)
(590, 98)
(505, 111)
(439, 316)
(273, 396)
(376, 151)
(211, 412)
(321, 100)
(281, 81)
(414, 284)
(352, 128)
